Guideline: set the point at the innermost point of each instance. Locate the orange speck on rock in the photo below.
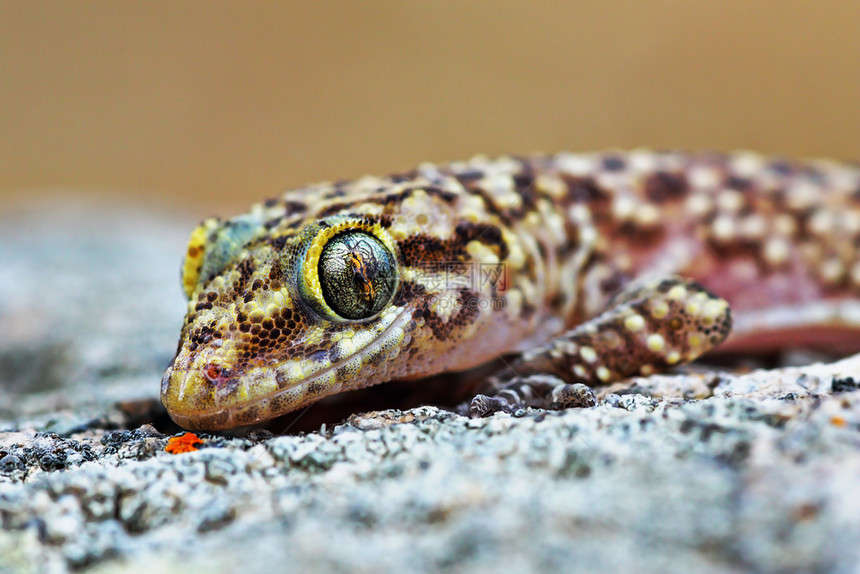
(185, 443)
(837, 421)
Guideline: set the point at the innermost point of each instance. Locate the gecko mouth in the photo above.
(204, 398)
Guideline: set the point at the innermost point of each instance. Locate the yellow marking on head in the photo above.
(195, 255)
(673, 357)
(580, 371)
(603, 373)
(646, 370)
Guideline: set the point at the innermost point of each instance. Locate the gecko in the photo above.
(590, 268)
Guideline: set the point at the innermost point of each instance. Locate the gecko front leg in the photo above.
(650, 326)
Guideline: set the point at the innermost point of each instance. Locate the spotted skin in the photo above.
(515, 255)
(651, 326)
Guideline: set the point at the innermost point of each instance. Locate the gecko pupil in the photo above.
(357, 275)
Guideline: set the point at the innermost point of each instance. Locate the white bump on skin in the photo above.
(552, 186)
(514, 302)
(850, 222)
(553, 221)
(580, 371)
(482, 253)
(610, 339)
(648, 215)
(587, 235)
(588, 354)
(623, 207)
(723, 228)
(612, 181)
(843, 177)
(574, 164)
(821, 222)
(642, 161)
(855, 274)
(502, 188)
(693, 308)
(776, 251)
(746, 164)
(832, 270)
(699, 204)
(714, 309)
(347, 348)
(730, 200)
(677, 292)
(785, 224)
(753, 227)
(802, 195)
(579, 213)
(624, 262)
(659, 309)
(701, 176)
(603, 373)
(571, 348)
(655, 342)
(673, 357)
(634, 323)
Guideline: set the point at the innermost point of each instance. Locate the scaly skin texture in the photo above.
(493, 256)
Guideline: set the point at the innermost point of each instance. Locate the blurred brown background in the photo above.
(214, 105)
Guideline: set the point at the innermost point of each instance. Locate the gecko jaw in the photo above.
(196, 402)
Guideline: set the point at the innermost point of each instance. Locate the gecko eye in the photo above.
(357, 274)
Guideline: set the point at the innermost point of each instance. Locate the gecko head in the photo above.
(278, 320)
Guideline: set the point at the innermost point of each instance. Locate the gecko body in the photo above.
(594, 267)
